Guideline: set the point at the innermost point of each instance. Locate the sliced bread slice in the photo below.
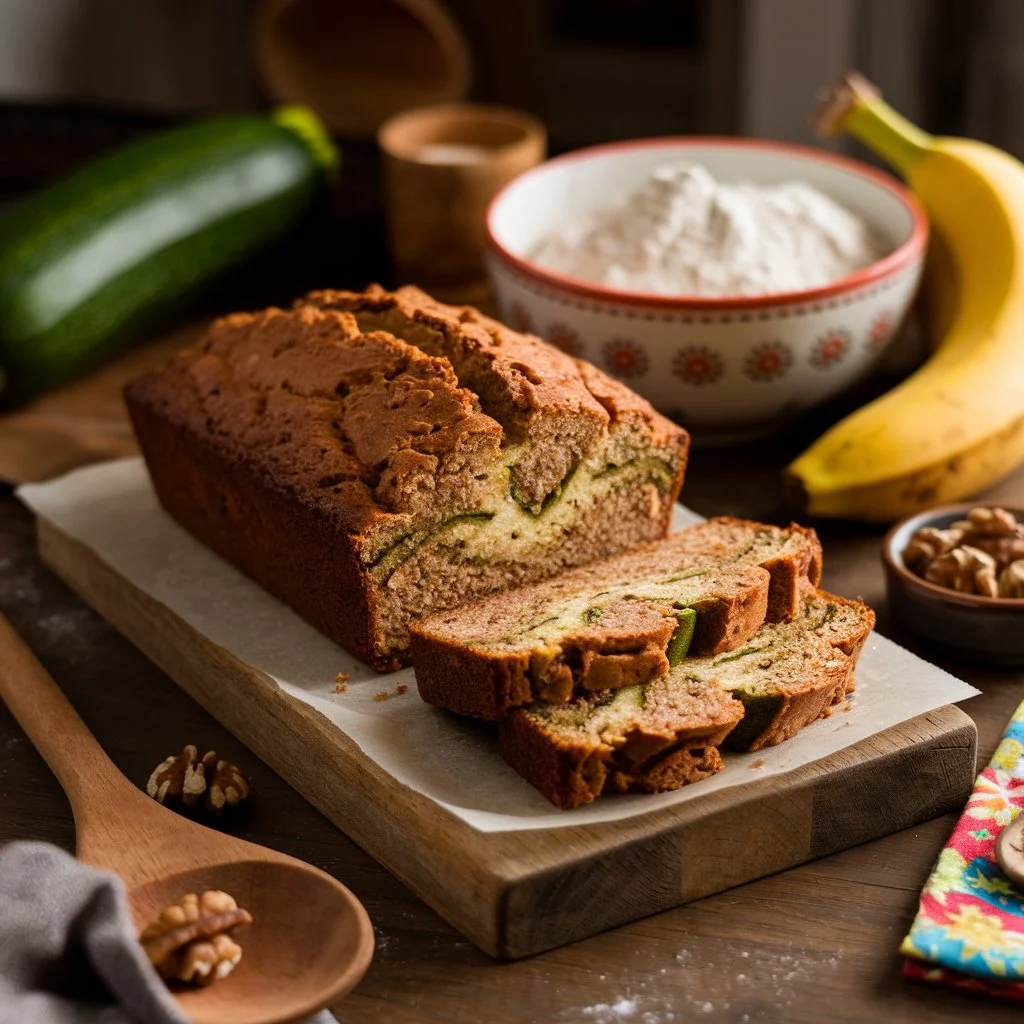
(791, 673)
(791, 555)
(647, 738)
(657, 736)
(704, 590)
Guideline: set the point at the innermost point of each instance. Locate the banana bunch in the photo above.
(956, 425)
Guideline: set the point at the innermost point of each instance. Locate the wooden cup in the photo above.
(442, 166)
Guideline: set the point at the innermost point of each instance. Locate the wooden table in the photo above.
(815, 944)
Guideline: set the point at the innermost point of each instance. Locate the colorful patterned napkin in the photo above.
(969, 929)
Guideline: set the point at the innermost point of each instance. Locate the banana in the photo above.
(956, 425)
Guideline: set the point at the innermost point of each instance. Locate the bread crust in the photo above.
(536, 392)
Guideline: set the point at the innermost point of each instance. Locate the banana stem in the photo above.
(855, 106)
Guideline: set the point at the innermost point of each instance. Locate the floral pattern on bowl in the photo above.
(624, 359)
(698, 365)
(831, 349)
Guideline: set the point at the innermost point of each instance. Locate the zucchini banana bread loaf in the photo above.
(663, 734)
(622, 621)
(371, 457)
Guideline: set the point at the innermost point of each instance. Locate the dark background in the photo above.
(80, 76)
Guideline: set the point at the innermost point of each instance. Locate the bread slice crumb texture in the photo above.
(787, 676)
(704, 590)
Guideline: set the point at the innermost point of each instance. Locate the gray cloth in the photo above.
(68, 948)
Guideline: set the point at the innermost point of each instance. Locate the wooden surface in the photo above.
(812, 944)
(86, 421)
(515, 894)
(161, 855)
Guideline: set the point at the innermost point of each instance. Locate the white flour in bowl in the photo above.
(684, 233)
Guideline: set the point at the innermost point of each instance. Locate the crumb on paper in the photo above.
(341, 677)
(401, 688)
(758, 765)
(340, 686)
(381, 695)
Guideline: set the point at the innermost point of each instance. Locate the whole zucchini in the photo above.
(94, 257)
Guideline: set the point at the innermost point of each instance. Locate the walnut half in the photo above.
(185, 779)
(191, 940)
(967, 569)
(1011, 580)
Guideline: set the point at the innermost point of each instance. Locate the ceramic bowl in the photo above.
(986, 630)
(725, 367)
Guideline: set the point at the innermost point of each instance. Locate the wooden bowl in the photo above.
(985, 630)
(357, 62)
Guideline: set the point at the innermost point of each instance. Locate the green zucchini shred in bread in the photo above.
(373, 457)
(790, 674)
(682, 638)
(705, 589)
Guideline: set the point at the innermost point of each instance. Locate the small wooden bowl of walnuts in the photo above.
(956, 576)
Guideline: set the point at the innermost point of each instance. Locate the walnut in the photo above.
(1003, 548)
(204, 962)
(178, 778)
(1011, 580)
(190, 940)
(995, 531)
(926, 545)
(226, 785)
(993, 522)
(185, 779)
(966, 569)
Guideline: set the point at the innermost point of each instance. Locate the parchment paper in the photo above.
(111, 508)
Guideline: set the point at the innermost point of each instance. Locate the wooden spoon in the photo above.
(310, 941)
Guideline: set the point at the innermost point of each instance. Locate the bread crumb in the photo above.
(758, 765)
(341, 677)
(381, 695)
(401, 688)
(340, 686)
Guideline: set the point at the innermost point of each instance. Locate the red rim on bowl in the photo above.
(898, 259)
(894, 561)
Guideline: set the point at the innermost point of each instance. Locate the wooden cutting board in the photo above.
(518, 893)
